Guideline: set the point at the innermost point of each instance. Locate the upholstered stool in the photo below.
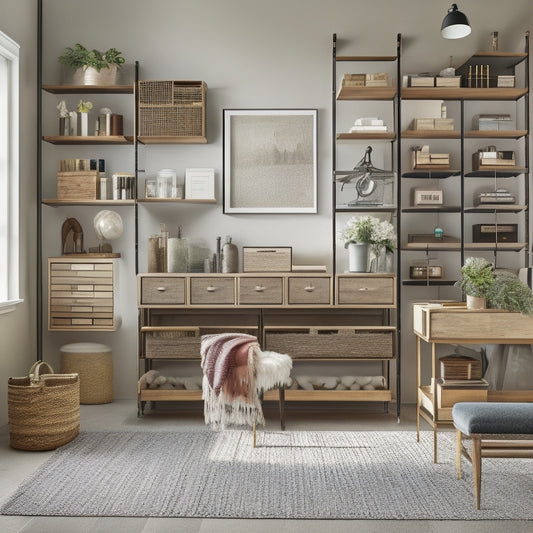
(482, 421)
(94, 364)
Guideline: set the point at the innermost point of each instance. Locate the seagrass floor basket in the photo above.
(43, 409)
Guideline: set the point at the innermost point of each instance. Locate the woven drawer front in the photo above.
(331, 343)
(163, 290)
(365, 290)
(309, 290)
(170, 121)
(80, 295)
(183, 343)
(173, 344)
(258, 291)
(216, 291)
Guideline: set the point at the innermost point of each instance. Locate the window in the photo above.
(9, 173)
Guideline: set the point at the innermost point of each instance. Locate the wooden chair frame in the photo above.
(483, 445)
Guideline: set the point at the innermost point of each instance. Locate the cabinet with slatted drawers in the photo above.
(314, 317)
(81, 294)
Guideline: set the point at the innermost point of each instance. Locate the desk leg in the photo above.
(417, 388)
(435, 403)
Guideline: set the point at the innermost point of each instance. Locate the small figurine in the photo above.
(64, 118)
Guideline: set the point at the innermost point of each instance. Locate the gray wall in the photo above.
(251, 54)
(17, 329)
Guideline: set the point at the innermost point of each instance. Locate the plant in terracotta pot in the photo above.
(92, 67)
(477, 277)
(364, 234)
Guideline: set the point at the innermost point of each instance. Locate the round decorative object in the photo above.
(108, 225)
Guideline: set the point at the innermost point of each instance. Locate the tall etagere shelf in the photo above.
(462, 142)
(349, 146)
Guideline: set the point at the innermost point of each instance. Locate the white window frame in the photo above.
(9, 176)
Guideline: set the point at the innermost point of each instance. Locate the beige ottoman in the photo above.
(94, 364)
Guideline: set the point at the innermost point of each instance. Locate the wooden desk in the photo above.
(453, 323)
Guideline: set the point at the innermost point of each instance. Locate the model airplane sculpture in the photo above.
(365, 175)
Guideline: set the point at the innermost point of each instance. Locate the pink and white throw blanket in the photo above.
(236, 372)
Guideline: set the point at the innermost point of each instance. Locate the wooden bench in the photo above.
(493, 428)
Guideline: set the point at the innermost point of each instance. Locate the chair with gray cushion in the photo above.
(483, 422)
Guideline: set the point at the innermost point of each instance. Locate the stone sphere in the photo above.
(108, 225)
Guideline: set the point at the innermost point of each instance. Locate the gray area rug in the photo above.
(318, 475)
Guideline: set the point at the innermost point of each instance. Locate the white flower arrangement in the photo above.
(367, 229)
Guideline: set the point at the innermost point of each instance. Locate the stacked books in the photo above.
(493, 159)
(448, 81)
(380, 79)
(506, 81)
(421, 159)
(368, 124)
(432, 124)
(497, 196)
(494, 121)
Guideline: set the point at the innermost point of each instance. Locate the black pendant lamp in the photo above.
(455, 24)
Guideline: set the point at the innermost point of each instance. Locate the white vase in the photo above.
(476, 302)
(84, 124)
(358, 257)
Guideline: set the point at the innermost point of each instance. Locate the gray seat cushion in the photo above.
(493, 417)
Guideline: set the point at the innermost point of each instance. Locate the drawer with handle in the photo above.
(309, 290)
(261, 291)
(366, 290)
(164, 290)
(211, 290)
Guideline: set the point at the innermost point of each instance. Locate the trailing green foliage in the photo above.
(477, 277)
(80, 57)
(509, 292)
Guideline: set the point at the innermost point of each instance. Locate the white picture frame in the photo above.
(270, 160)
(200, 183)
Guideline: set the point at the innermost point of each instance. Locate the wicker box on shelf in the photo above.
(172, 108)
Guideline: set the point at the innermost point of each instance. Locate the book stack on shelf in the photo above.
(432, 124)
(493, 122)
(378, 79)
(368, 124)
(492, 159)
(496, 196)
(422, 159)
(460, 381)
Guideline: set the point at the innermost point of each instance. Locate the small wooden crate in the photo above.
(447, 397)
(274, 259)
(460, 367)
(77, 185)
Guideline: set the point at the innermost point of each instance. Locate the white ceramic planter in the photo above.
(476, 302)
(358, 257)
(91, 76)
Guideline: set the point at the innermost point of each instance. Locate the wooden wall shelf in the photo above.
(90, 139)
(172, 140)
(88, 89)
(462, 93)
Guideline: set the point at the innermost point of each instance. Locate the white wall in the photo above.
(17, 329)
(252, 55)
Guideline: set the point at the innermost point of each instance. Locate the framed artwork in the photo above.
(270, 160)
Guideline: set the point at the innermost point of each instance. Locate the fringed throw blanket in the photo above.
(236, 372)
(228, 388)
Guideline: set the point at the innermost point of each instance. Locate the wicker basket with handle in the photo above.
(43, 408)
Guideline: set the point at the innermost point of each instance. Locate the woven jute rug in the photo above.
(318, 475)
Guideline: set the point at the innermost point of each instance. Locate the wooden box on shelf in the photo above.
(77, 185)
(462, 391)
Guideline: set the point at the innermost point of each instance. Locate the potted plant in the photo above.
(477, 277)
(364, 234)
(92, 67)
(496, 289)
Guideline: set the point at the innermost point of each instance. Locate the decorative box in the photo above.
(427, 197)
(274, 259)
(495, 232)
(425, 272)
(78, 185)
(460, 367)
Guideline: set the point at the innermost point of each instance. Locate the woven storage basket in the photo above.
(93, 362)
(43, 409)
(331, 343)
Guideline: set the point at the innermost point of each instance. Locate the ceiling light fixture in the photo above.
(455, 24)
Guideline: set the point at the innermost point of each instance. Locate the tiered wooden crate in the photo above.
(172, 111)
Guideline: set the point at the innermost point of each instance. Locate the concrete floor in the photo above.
(16, 465)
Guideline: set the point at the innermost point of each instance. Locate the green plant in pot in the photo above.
(497, 289)
(92, 67)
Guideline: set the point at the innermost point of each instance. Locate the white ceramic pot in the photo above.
(358, 257)
(91, 76)
(476, 302)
